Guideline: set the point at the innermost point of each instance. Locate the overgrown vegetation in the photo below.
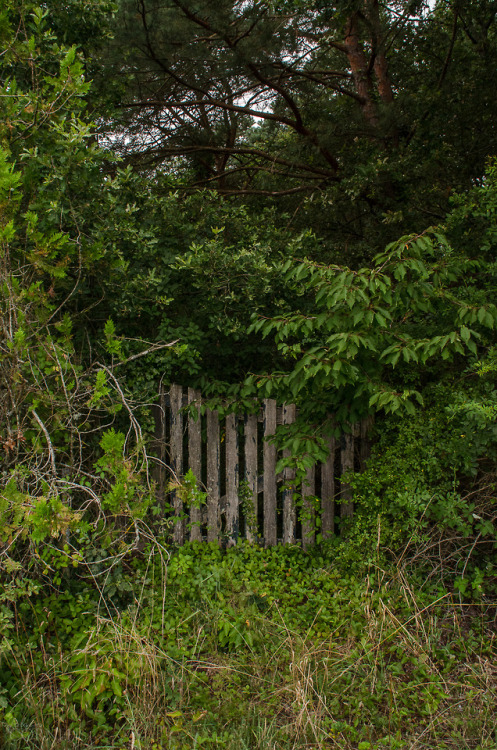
(251, 648)
(287, 277)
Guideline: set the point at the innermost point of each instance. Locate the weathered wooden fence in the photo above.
(235, 463)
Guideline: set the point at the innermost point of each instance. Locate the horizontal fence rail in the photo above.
(234, 463)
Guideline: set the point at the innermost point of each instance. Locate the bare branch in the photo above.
(49, 442)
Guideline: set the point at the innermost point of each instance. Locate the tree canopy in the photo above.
(360, 117)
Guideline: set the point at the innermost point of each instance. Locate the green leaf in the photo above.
(380, 319)
(489, 320)
(116, 688)
(472, 346)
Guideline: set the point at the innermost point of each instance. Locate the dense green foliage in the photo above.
(404, 308)
(250, 648)
(289, 199)
(369, 115)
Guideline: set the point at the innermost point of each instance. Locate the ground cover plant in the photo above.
(251, 648)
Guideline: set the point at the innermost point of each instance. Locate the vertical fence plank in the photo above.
(159, 448)
(365, 448)
(308, 508)
(289, 515)
(269, 473)
(213, 476)
(347, 464)
(176, 399)
(328, 492)
(251, 475)
(232, 481)
(195, 462)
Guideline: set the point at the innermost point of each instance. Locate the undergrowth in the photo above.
(249, 648)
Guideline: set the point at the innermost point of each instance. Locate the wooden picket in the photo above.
(223, 452)
(176, 399)
(213, 477)
(269, 473)
(289, 510)
(232, 482)
(328, 492)
(251, 445)
(195, 459)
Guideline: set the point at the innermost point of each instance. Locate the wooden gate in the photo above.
(235, 463)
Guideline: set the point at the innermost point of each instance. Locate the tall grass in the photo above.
(402, 672)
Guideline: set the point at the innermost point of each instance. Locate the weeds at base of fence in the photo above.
(365, 664)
